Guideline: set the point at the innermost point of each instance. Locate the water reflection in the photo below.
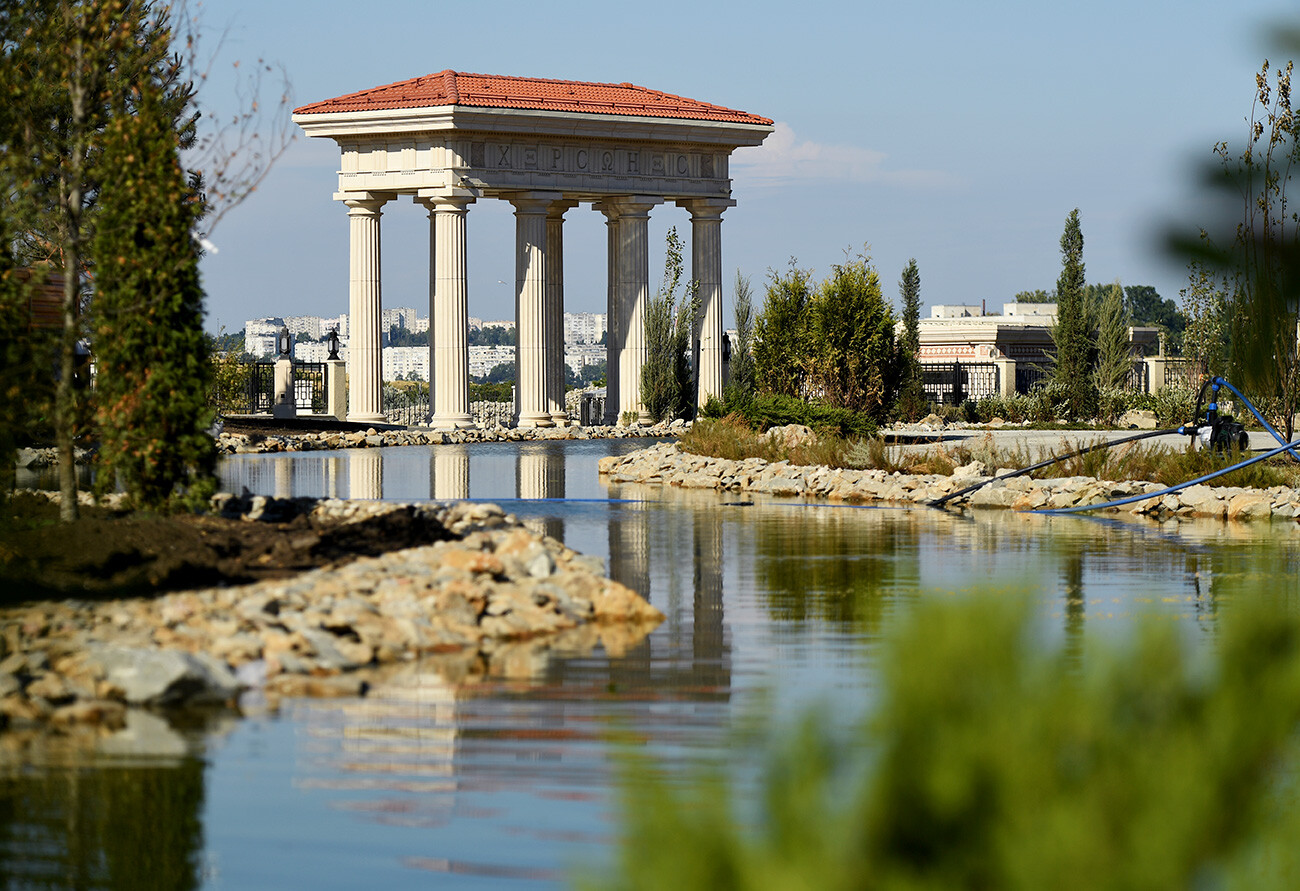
(99, 809)
(495, 766)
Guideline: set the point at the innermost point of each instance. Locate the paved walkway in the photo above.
(1034, 441)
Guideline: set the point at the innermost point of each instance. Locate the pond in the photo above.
(510, 782)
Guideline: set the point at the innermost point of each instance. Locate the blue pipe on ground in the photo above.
(1286, 447)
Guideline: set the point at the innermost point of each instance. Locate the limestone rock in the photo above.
(164, 677)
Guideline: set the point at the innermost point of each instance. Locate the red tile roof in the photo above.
(496, 91)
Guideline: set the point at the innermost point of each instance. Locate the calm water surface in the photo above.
(442, 779)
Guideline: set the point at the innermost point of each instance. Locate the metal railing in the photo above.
(253, 392)
(406, 407)
(951, 383)
(1139, 377)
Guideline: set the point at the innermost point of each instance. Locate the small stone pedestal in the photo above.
(336, 388)
(286, 406)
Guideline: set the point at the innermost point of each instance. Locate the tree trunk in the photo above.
(65, 395)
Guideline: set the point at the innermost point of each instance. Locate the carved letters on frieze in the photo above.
(586, 160)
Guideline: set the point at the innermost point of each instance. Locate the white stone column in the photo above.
(532, 409)
(448, 310)
(365, 475)
(450, 471)
(706, 271)
(613, 324)
(365, 396)
(634, 287)
(553, 311)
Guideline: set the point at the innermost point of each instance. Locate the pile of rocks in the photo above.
(666, 464)
(242, 443)
(494, 583)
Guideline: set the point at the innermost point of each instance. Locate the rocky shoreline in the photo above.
(494, 598)
(666, 464)
(246, 443)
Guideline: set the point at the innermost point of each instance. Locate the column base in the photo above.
(534, 420)
(367, 419)
(561, 419)
(452, 422)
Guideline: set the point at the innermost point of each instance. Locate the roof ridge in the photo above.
(449, 84)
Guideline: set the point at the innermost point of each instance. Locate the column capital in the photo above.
(532, 202)
(633, 205)
(706, 208)
(364, 202)
(558, 209)
(447, 200)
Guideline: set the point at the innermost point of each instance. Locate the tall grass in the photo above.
(997, 761)
(732, 437)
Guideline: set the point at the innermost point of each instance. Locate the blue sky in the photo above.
(958, 133)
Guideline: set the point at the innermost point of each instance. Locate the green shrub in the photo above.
(994, 760)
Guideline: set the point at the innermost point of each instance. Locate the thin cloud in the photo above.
(782, 159)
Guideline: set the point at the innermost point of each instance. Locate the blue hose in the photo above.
(1287, 447)
(1258, 416)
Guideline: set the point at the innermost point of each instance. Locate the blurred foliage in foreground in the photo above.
(996, 761)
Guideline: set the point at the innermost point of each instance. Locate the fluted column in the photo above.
(449, 469)
(448, 311)
(531, 408)
(365, 397)
(613, 325)
(634, 288)
(706, 271)
(365, 475)
(553, 311)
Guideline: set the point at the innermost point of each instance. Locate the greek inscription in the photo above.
(657, 164)
(581, 159)
(706, 165)
(632, 160)
(607, 161)
(683, 165)
(503, 159)
(530, 157)
(477, 157)
(557, 158)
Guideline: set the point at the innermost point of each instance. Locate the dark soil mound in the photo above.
(110, 554)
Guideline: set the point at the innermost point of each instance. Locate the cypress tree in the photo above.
(911, 395)
(1072, 332)
(741, 387)
(666, 385)
(1113, 359)
(151, 352)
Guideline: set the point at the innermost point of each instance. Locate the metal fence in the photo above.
(1139, 378)
(406, 407)
(1029, 376)
(951, 383)
(1184, 373)
(253, 392)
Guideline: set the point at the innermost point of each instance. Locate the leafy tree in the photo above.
(1113, 353)
(742, 384)
(850, 341)
(1147, 309)
(1206, 337)
(666, 386)
(1256, 255)
(780, 332)
(64, 64)
(503, 373)
(911, 393)
(1038, 296)
(1072, 332)
(151, 350)
(490, 335)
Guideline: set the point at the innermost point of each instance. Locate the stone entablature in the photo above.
(588, 169)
